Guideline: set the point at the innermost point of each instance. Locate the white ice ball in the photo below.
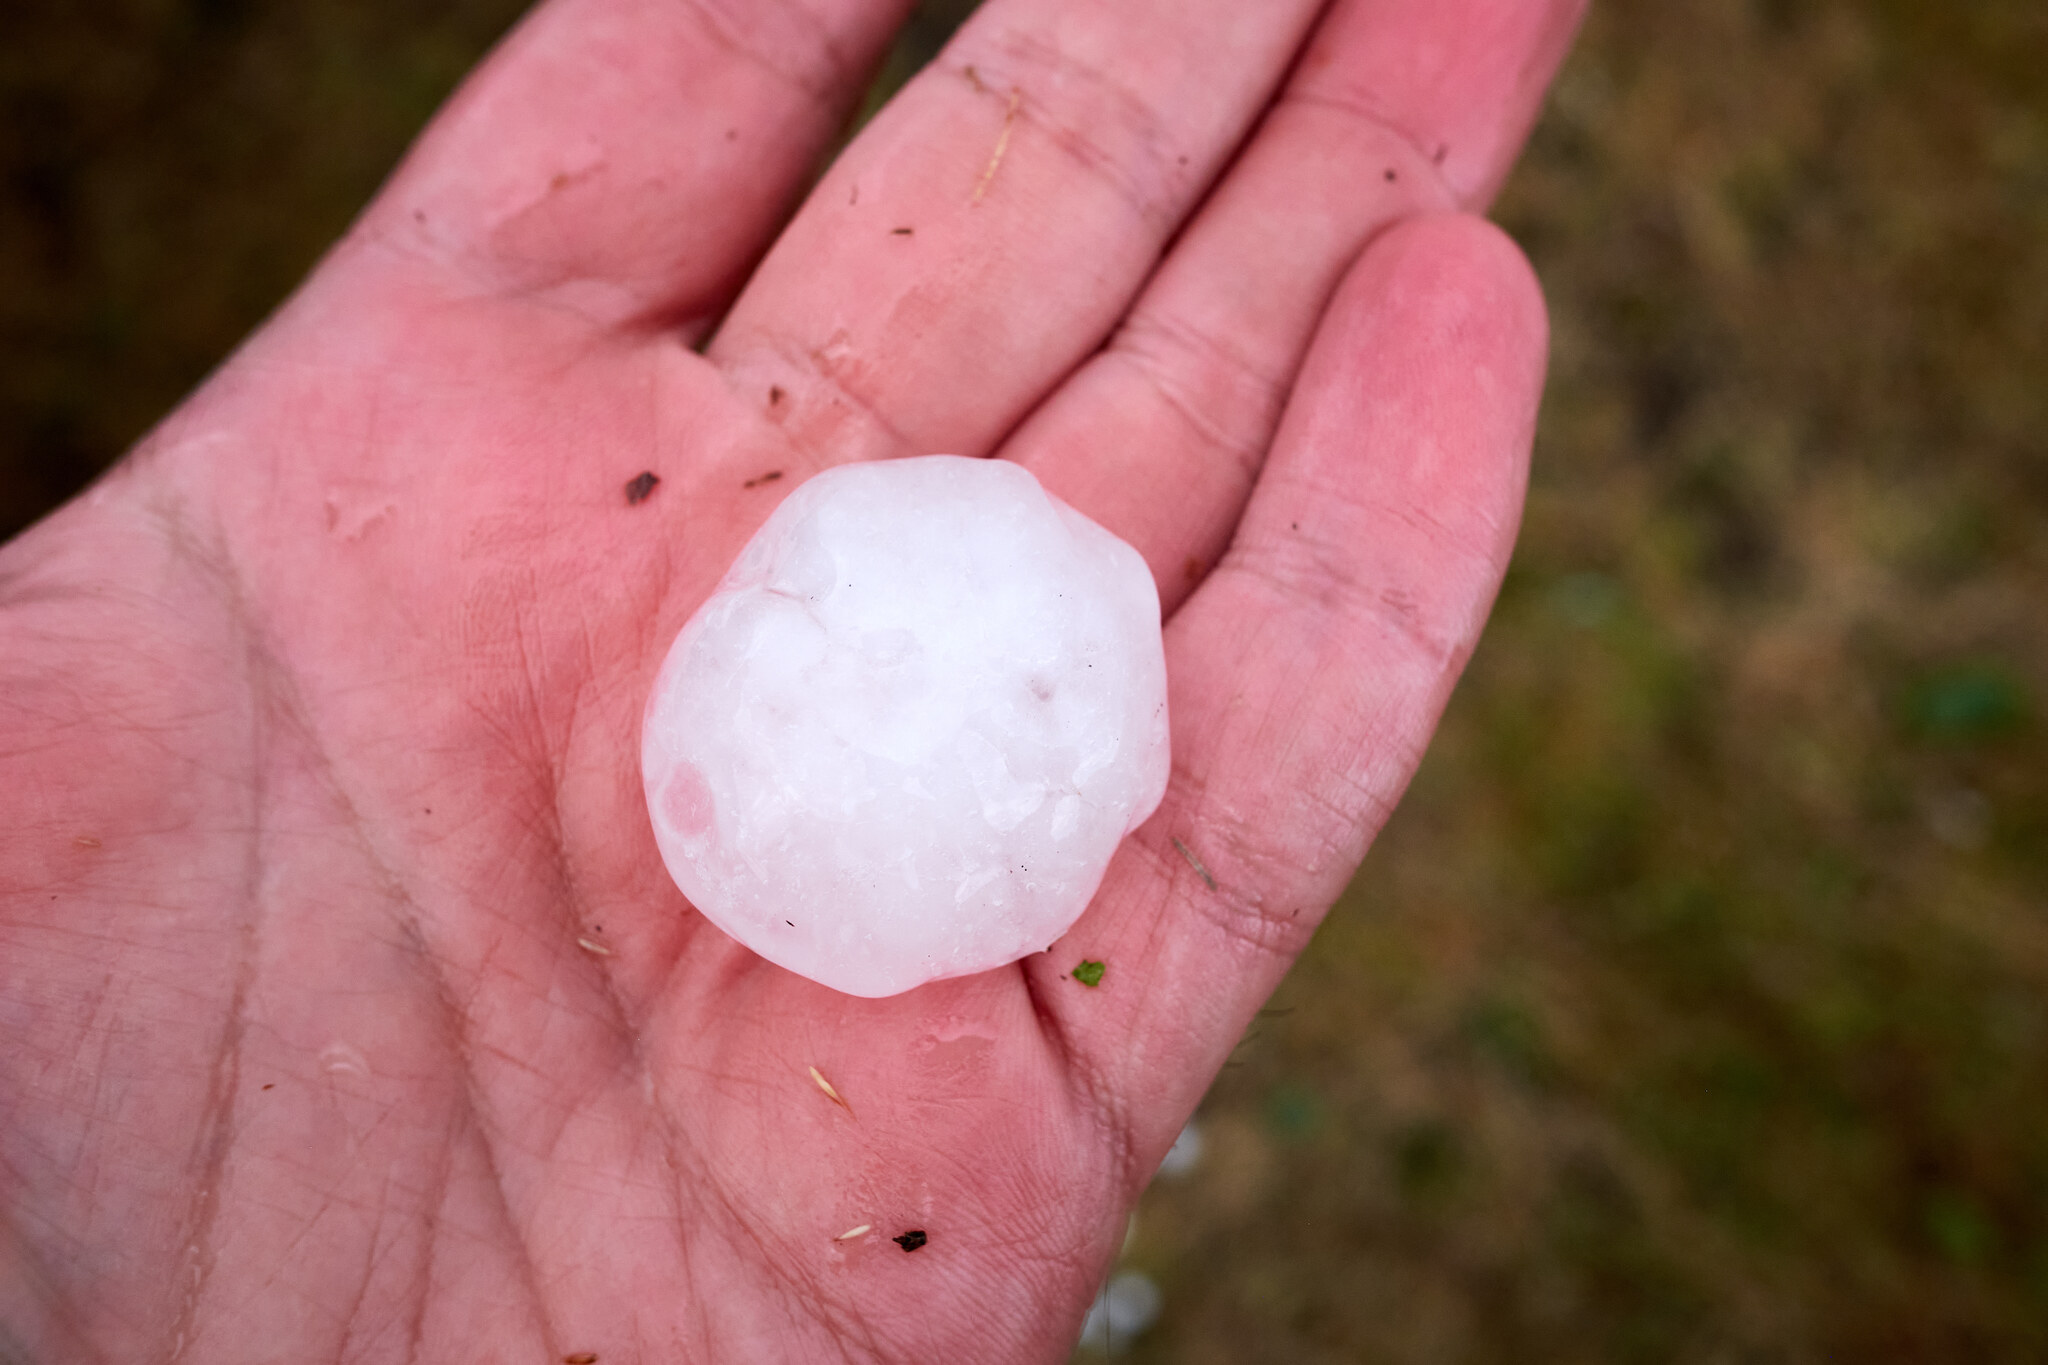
(902, 738)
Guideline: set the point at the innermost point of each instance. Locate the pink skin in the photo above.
(686, 800)
(349, 1011)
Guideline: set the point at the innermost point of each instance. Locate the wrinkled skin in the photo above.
(349, 1012)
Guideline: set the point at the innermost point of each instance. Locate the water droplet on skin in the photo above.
(341, 1059)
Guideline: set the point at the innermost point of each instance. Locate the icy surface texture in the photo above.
(903, 737)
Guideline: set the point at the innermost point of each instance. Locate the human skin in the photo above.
(350, 1014)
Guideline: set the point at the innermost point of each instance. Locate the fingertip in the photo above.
(1440, 327)
(630, 159)
(1400, 467)
(1447, 281)
(1462, 80)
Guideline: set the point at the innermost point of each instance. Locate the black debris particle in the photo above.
(1391, 176)
(775, 395)
(912, 1240)
(901, 232)
(770, 477)
(640, 486)
(1089, 972)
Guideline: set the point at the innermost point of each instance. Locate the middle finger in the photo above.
(987, 230)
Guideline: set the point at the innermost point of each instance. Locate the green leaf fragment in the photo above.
(1089, 973)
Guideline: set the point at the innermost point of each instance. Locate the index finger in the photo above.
(631, 159)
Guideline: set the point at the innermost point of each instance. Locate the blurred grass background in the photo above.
(1694, 1007)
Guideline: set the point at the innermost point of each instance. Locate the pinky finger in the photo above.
(1309, 670)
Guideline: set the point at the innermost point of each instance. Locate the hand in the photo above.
(350, 1011)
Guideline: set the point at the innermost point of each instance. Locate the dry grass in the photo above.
(1695, 1006)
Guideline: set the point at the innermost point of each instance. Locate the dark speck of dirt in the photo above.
(901, 232)
(640, 487)
(1391, 176)
(770, 477)
(581, 1358)
(912, 1240)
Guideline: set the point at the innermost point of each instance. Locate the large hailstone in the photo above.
(903, 737)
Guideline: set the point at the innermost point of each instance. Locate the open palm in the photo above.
(349, 1011)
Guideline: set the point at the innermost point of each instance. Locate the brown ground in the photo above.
(1695, 1006)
